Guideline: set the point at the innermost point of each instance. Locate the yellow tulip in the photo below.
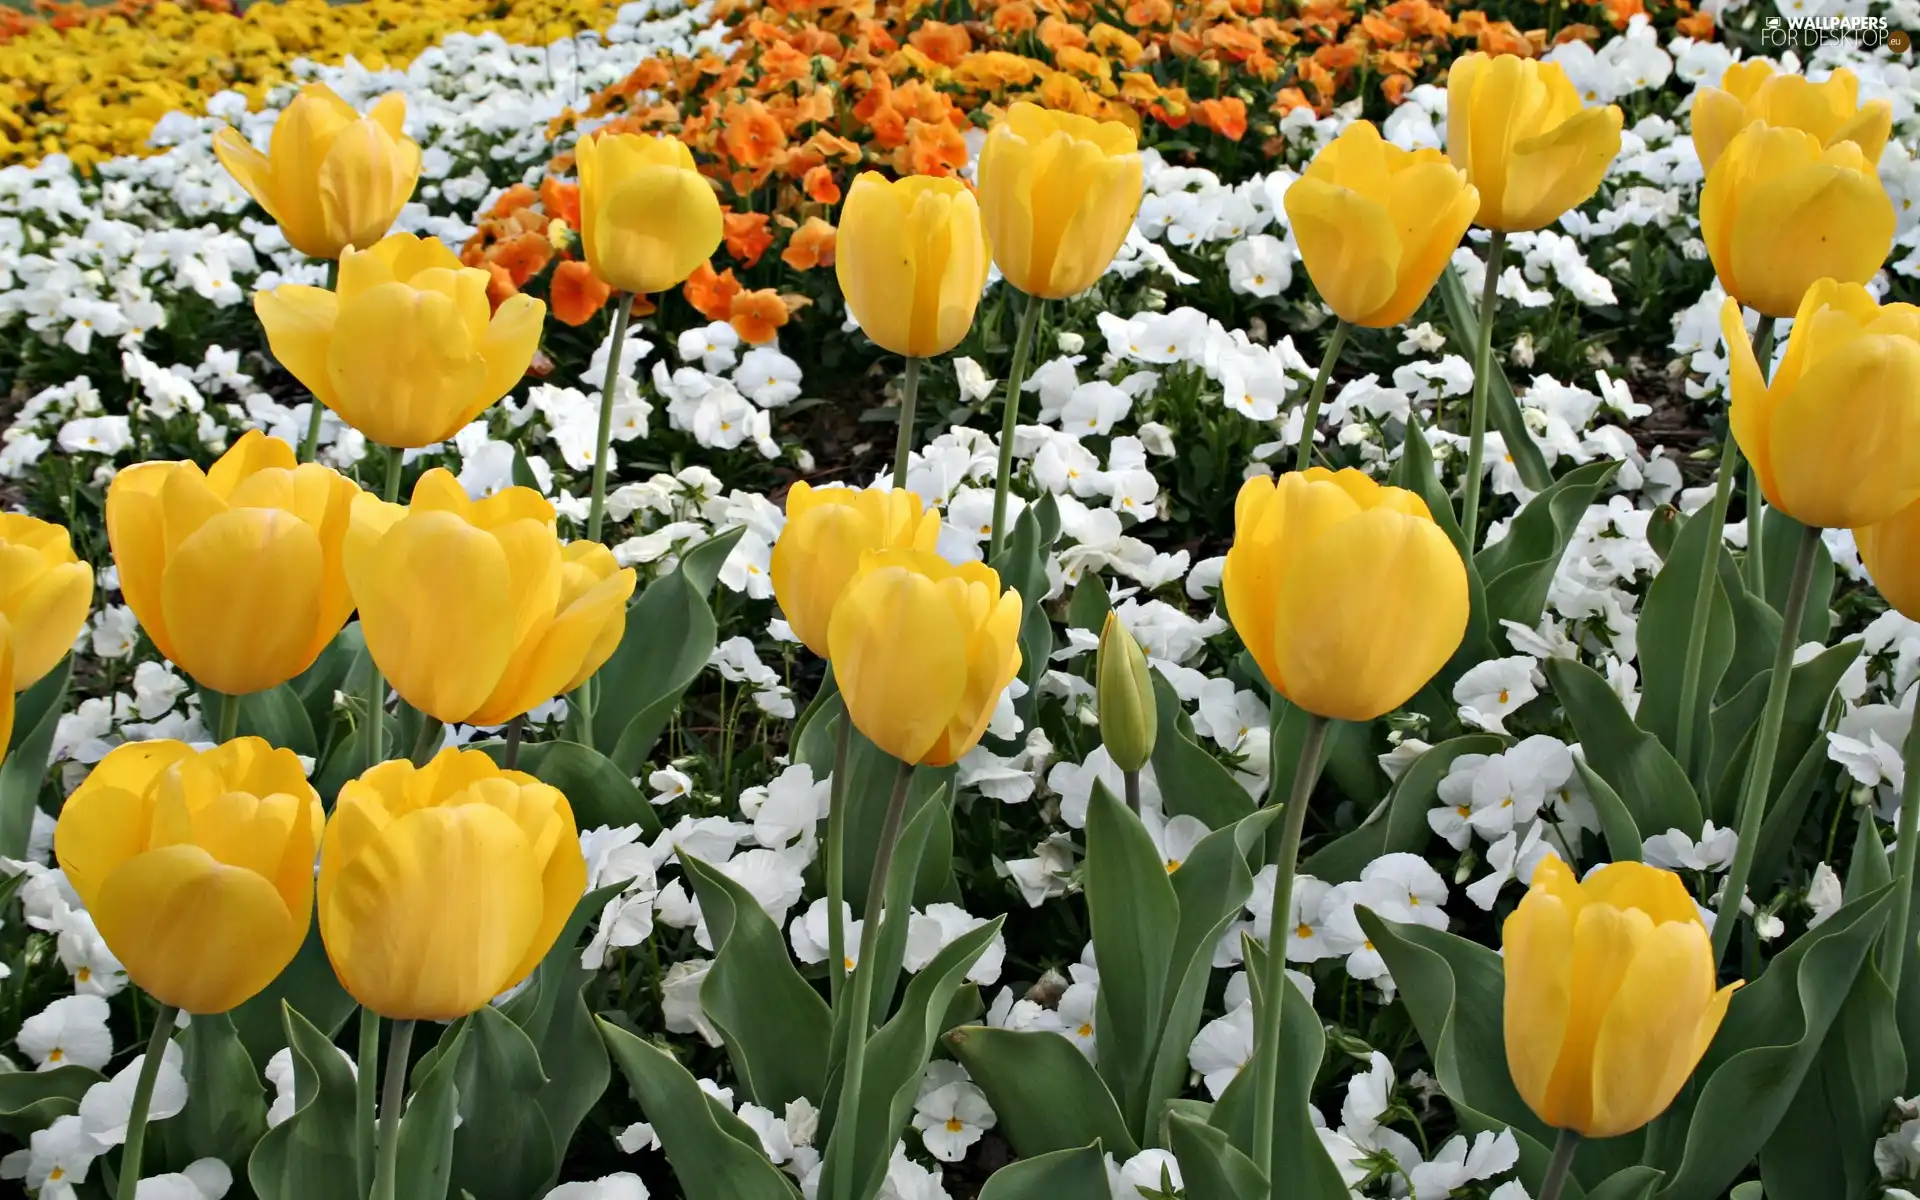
(921, 650)
(1835, 438)
(1890, 550)
(648, 218)
(1516, 127)
(1779, 211)
(45, 594)
(1610, 999)
(1058, 193)
(1753, 91)
(473, 609)
(827, 532)
(407, 350)
(1345, 592)
(912, 258)
(442, 886)
(331, 178)
(1376, 224)
(234, 573)
(196, 865)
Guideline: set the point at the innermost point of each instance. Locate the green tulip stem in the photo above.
(1756, 545)
(1560, 1165)
(229, 718)
(1766, 740)
(143, 1100)
(909, 398)
(1482, 368)
(1010, 420)
(392, 1100)
(310, 445)
(1304, 457)
(1131, 782)
(1716, 518)
(366, 1083)
(836, 865)
(426, 742)
(1273, 990)
(376, 682)
(1898, 939)
(597, 509)
(846, 1125)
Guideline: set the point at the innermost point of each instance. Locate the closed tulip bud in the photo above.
(1890, 551)
(442, 886)
(827, 532)
(1518, 130)
(1124, 691)
(1345, 592)
(648, 218)
(234, 573)
(197, 866)
(1610, 998)
(912, 258)
(1780, 211)
(1753, 91)
(407, 351)
(1058, 193)
(331, 177)
(1376, 224)
(921, 650)
(45, 594)
(473, 609)
(1835, 437)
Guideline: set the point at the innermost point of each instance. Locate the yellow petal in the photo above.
(655, 227)
(1348, 244)
(364, 179)
(299, 321)
(1818, 221)
(1751, 409)
(507, 348)
(1852, 424)
(1537, 956)
(104, 823)
(1890, 551)
(1648, 1042)
(249, 168)
(1605, 942)
(403, 369)
(1717, 117)
(241, 598)
(899, 657)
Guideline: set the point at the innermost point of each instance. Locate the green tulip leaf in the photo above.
(1135, 917)
(713, 1153)
(316, 686)
(1666, 621)
(1782, 822)
(36, 715)
(1631, 1183)
(307, 985)
(1210, 1167)
(930, 828)
(427, 1131)
(503, 1148)
(571, 1051)
(1415, 472)
(1503, 410)
(1809, 694)
(1089, 605)
(1780, 537)
(276, 715)
(32, 1100)
(311, 1155)
(1401, 825)
(1663, 529)
(1519, 568)
(226, 1110)
(1625, 843)
(1046, 1094)
(868, 788)
(1022, 567)
(1192, 782)
(1750, 1190)
(1079, 1174)
(599, 792)
(1756, 631)
(1640, 769)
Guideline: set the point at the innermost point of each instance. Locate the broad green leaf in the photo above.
(1088, 607)
(1503, 410)
(1867, 867)
(1774, 1028)
(36, 714)
(1809, 693)
(869, 786)
(307, 985)
(1022, 567)
(1784, 815)
(1780, 542)
(1750, 1190)
(1663, 529)
(1402, 824)
(1192, 782)
(426, 1131)
(670, 634)
(1756, 631)
(1061, 1175)
(1415, 472)
(1046, 1094)
(930, 827)
(1134, 917)
(226, 1110)
(1828, 1133)
(1666, 619)
(310, 1155)
(599, 792)
(776, 1026)
(502, 1147)
(1519, 568)
(562, 1028)
(1210, 1167)
(714, 1155)
(32, 1100)
(316, 686)
(1642, 771)
(1631, 1183)
(1625, 843)
(277, 714)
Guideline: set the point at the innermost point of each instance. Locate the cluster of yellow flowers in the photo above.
(92, 82)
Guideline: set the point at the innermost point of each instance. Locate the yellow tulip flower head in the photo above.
(1779, 210)
(648, 218)
(1517, 128)
(1835, 437)
(1058, 193)
(197, 866)
(1376, 224)
(1345, 592)
(827, 532)
(921, 650)
(473, 609)
(1890, 550)
(235, 573)
(407, 351)
(1610, 998)
(442, 886)
(912, 259)
(330, 177)
(45, 594)
(1753, 91)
